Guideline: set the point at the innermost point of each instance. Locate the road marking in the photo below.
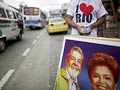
(41, 33)
(26, 52)
(38, 37)
(4, 80)
(34, 42)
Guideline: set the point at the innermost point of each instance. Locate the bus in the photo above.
(33, 17)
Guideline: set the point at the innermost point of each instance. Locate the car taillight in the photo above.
(65, 23)
(51, 24)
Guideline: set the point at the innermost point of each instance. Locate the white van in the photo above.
(8, 25)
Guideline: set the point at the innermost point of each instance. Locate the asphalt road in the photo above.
(32, 63)
(33, 73)
(12, 57)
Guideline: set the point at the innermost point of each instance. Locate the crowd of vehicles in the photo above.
(30, 17)
(13, 22)
(34, 17)
(9, 26)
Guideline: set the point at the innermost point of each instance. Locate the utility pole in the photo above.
(22, 5)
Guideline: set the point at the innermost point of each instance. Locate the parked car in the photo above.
(57, 24)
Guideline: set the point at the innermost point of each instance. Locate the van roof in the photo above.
(6, 6)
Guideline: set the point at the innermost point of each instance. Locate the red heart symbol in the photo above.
(86, 9)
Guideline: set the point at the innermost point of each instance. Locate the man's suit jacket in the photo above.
(62, 81)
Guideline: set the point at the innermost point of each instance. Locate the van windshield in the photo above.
(31, 11)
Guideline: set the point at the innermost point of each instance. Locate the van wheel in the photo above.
(19, 37)
(2, 45)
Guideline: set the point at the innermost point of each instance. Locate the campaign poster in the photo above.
(89, 46)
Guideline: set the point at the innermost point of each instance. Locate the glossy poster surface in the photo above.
(101, 78)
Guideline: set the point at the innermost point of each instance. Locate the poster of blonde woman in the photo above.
(89, 63)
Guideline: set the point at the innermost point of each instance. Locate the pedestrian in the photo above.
(84, 16)
(67, 76)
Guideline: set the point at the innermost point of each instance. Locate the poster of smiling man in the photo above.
(89, 63)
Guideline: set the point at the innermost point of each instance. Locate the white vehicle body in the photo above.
(55, 13)
(8, 24)
(33, 17)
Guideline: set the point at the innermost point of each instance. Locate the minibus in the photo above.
(8, 25)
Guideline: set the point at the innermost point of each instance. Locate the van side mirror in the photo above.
(24, 18)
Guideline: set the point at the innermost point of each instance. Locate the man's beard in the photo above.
(73, 72)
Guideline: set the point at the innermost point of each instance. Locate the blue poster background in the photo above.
(88, 50)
